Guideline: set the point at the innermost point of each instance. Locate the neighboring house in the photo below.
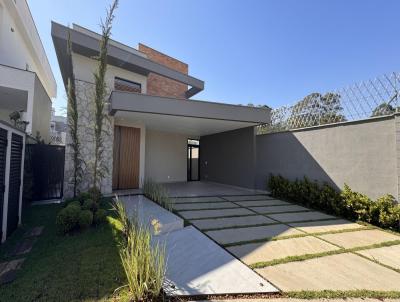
(27, 83)
(154, 129)
(58, 129)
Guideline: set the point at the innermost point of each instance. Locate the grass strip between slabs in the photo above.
(339, 294)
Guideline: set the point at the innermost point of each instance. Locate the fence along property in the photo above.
(351, 135)
(371, 98)
(12, 150)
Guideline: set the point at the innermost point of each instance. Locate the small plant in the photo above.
(85, 219)
(67, 218)
(95, 194)
(143, 262)
(158, 193)
(99, 216)
(83, 196)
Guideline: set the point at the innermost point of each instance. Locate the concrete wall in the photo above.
(229, 157)
(361, 154)
(166, 156)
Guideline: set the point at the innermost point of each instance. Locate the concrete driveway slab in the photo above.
(278, 209)
(271, 250)
(337, 272)
(204, 205)
(359, 238)
(215, 223)
(247, 197)
(305, 216)
(389, 255)
(215, 213)
(198, 266)
(252, 233)
(262, 202)
(326, 225)
(146, 211)
(197, 199)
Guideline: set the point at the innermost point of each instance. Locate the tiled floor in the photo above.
(294, 247)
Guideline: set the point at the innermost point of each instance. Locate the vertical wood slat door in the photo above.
(126, 157)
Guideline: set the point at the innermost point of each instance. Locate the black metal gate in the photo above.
(3, 154)
(14, 182)
(47, 167)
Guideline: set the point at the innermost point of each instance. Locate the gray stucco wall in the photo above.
(362, 154)
(229, 157)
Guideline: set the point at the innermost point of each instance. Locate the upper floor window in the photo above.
(125, 85)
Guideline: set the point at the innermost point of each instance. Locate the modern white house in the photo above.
(27, 82)
(154, 130)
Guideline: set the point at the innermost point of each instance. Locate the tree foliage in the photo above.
(72, 120)
(383, 109)
(316, 109)
(99, 168)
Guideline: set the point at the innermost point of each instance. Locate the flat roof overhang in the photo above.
(196, 118)
(88, 45)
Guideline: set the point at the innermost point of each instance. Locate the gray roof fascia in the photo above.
(89, 46)
(136, 102)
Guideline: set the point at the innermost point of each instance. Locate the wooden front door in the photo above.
(126, 158)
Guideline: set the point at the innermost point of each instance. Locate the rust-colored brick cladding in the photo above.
(162, 86)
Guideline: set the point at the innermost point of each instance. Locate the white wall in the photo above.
(41, 112)
(166, 156)
(85, 67)
(20, 44)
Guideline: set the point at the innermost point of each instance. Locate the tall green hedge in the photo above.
(383, 212)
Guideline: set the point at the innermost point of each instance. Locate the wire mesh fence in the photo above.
(371, 98)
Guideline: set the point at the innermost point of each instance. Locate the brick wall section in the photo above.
(162, 86)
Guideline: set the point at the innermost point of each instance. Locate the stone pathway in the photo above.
(296, 248)
(9, 269)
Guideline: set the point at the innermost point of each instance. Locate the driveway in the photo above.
(296, 248)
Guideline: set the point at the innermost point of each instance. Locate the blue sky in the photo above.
(248, 51)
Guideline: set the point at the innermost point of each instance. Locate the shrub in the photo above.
(67, 218)
(74, 203)
(89, 204)
(83, 196)
(158, 193)
(99, 216)
(383, 212)
(357, 205)
(85, 219)
(143, 262)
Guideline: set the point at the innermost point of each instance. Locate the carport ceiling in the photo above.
(180, 124)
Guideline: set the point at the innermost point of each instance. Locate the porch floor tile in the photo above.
(279, 209)
(262, 202)
(305, 216)
(252, 233)
(247, 197)
(326, 225)
(359, 238)
(215, 213)
(204, 205)
(271, 250)
(231, 222)
(336, 272)
(389, 255)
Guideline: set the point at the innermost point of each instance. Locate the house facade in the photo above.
(154, 129)
(27, 83)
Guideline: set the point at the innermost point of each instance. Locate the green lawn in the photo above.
(80, 267)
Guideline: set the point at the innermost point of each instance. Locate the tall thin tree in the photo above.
(72, 120)
(99, 98)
